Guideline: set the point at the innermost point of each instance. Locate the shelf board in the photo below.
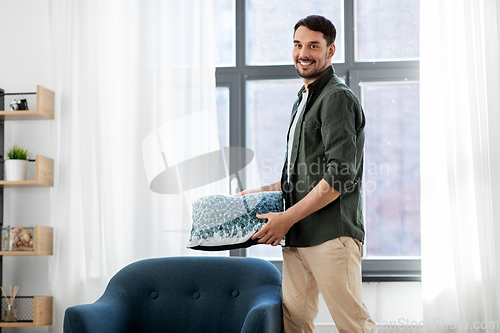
(21, 183)
(19, 324)
(21, 115)
(44, 239)
(44, 175)
(45, 108)
(42, 314)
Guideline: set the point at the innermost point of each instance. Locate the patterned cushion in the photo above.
(223, 222)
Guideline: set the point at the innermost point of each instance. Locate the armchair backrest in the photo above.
(185, 294)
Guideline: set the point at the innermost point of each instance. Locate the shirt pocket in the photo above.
(312, 140)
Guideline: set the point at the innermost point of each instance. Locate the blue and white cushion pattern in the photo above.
(223, 222)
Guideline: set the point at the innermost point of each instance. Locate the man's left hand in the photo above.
(274, 230)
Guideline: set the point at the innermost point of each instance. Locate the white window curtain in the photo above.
(123, 68)
(460, 163)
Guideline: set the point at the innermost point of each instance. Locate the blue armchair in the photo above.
(185, 294)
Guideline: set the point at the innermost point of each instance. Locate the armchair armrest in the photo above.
(98, 317)
(264, 317)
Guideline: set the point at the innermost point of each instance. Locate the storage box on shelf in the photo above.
(31, 311)
(43, 245)
(44, 174)
(44, 107)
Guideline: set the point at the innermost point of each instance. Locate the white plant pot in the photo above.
(16, 170)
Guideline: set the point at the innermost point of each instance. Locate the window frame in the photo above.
(235, 78)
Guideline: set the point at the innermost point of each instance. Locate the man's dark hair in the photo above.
(318, 23)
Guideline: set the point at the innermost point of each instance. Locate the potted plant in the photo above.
(16, 167)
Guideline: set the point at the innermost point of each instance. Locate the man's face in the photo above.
(311, 55)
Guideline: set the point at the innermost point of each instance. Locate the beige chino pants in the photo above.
(333, 269)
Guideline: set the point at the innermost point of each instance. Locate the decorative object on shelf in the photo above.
(5, 238)
(19, 104)
(9, 314)
(21, 239)
(40, 173)
(30, 311)
(16, 167)
(39, 105)
(27, 241)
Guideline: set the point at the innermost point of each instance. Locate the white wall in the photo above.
(25, 62)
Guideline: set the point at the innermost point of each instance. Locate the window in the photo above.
(377, 56)
(222, 100)
(226, 33)
(279, 17)
(391, 177)
(386, 30)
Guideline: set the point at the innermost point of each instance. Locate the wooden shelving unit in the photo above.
(44, 239)
(42, 314)
(44, 108)
(44, 175)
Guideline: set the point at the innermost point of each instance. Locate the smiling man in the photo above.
(321, 184)
(312, 53)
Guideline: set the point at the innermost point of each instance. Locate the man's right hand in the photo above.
(245, 192)
(273, 187)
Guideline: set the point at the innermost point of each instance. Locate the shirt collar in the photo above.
(322, 79)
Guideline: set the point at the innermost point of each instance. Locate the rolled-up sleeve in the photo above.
(338, 133)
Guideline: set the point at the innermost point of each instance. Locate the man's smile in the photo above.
(305, 63)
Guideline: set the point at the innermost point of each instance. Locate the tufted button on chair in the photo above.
(185, 294)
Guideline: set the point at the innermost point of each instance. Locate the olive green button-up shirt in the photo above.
(328, 143)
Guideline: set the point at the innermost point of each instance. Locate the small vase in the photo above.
(16, 170)
(9, 314)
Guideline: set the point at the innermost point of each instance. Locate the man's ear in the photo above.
(331, 50)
